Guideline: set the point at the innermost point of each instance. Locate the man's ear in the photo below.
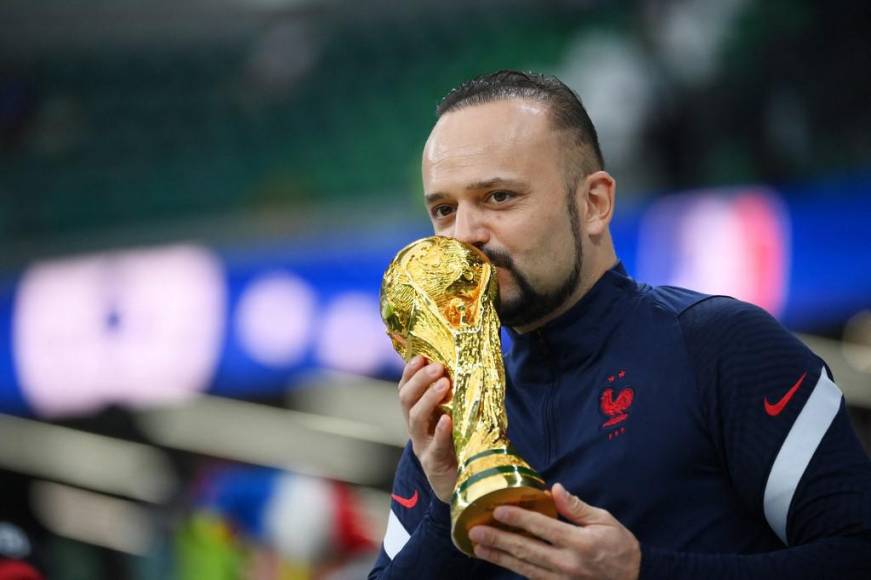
(598, 202)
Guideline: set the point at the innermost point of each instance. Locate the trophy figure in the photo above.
(438, 300)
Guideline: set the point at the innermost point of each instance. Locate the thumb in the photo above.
(576, 511)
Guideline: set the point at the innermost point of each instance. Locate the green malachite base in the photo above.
(487, 480)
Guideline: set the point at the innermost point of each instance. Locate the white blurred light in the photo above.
(132, 327)
(711, 249)
(302, 503)
(274, 319)
(95, 461)
(259, 434)
(13, 542)
(691, 34)
(352, 335)
(614, 78)
(281, 56)
(857, 341)
(92, 518)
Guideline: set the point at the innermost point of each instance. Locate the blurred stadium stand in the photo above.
(197, 199)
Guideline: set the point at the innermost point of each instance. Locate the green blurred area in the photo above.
(149, 136)
(129, 135)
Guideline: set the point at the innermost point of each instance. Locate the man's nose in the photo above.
(469, 228)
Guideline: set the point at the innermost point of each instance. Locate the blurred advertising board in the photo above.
(142, 326)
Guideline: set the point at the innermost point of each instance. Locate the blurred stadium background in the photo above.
(198, 199)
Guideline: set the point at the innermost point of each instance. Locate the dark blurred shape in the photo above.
(17, 106)
(790, 100)
(21, 535)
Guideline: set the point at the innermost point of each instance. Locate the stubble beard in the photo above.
(532, 305)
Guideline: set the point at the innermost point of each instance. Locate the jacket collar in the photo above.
(575, 335)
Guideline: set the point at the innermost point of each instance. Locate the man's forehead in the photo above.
(488, 127)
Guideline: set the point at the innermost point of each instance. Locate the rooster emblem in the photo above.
(615, 408)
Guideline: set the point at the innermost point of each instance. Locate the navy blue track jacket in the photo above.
(699, 422)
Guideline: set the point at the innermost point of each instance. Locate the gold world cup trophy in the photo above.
(438, 300)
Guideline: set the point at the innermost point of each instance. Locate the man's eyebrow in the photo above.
(434, 197)
(431, 198)
(496, 182)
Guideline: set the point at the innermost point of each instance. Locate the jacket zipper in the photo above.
(547, 407)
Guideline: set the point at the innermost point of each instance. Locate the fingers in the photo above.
(443, 441)
(520, 555)
(522, 547)
(421, 414)
(558, 549)
(416, 363)
(410, 390)
(539, 525)
(575, 510)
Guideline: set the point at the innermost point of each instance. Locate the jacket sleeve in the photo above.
(418, 543)
(780, 426)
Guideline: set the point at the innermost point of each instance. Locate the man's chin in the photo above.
(507, 298)
(512, 319)
(509, 311)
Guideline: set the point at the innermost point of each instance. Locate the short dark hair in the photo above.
(566, 109)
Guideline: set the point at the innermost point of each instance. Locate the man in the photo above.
(712, 443)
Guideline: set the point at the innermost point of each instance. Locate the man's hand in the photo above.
(597, 547)
(421, 389)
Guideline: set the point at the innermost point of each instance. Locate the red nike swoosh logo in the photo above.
(408, 502)
(775, 409)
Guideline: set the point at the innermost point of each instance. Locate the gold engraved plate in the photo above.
(438, 300)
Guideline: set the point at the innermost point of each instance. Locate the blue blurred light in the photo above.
(333, 281)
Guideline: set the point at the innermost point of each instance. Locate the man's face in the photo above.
(493, 176)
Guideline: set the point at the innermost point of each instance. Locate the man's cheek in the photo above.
(509, 291)
(505, 279)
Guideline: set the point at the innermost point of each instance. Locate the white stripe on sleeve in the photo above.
(797, 450)
(396, 536)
